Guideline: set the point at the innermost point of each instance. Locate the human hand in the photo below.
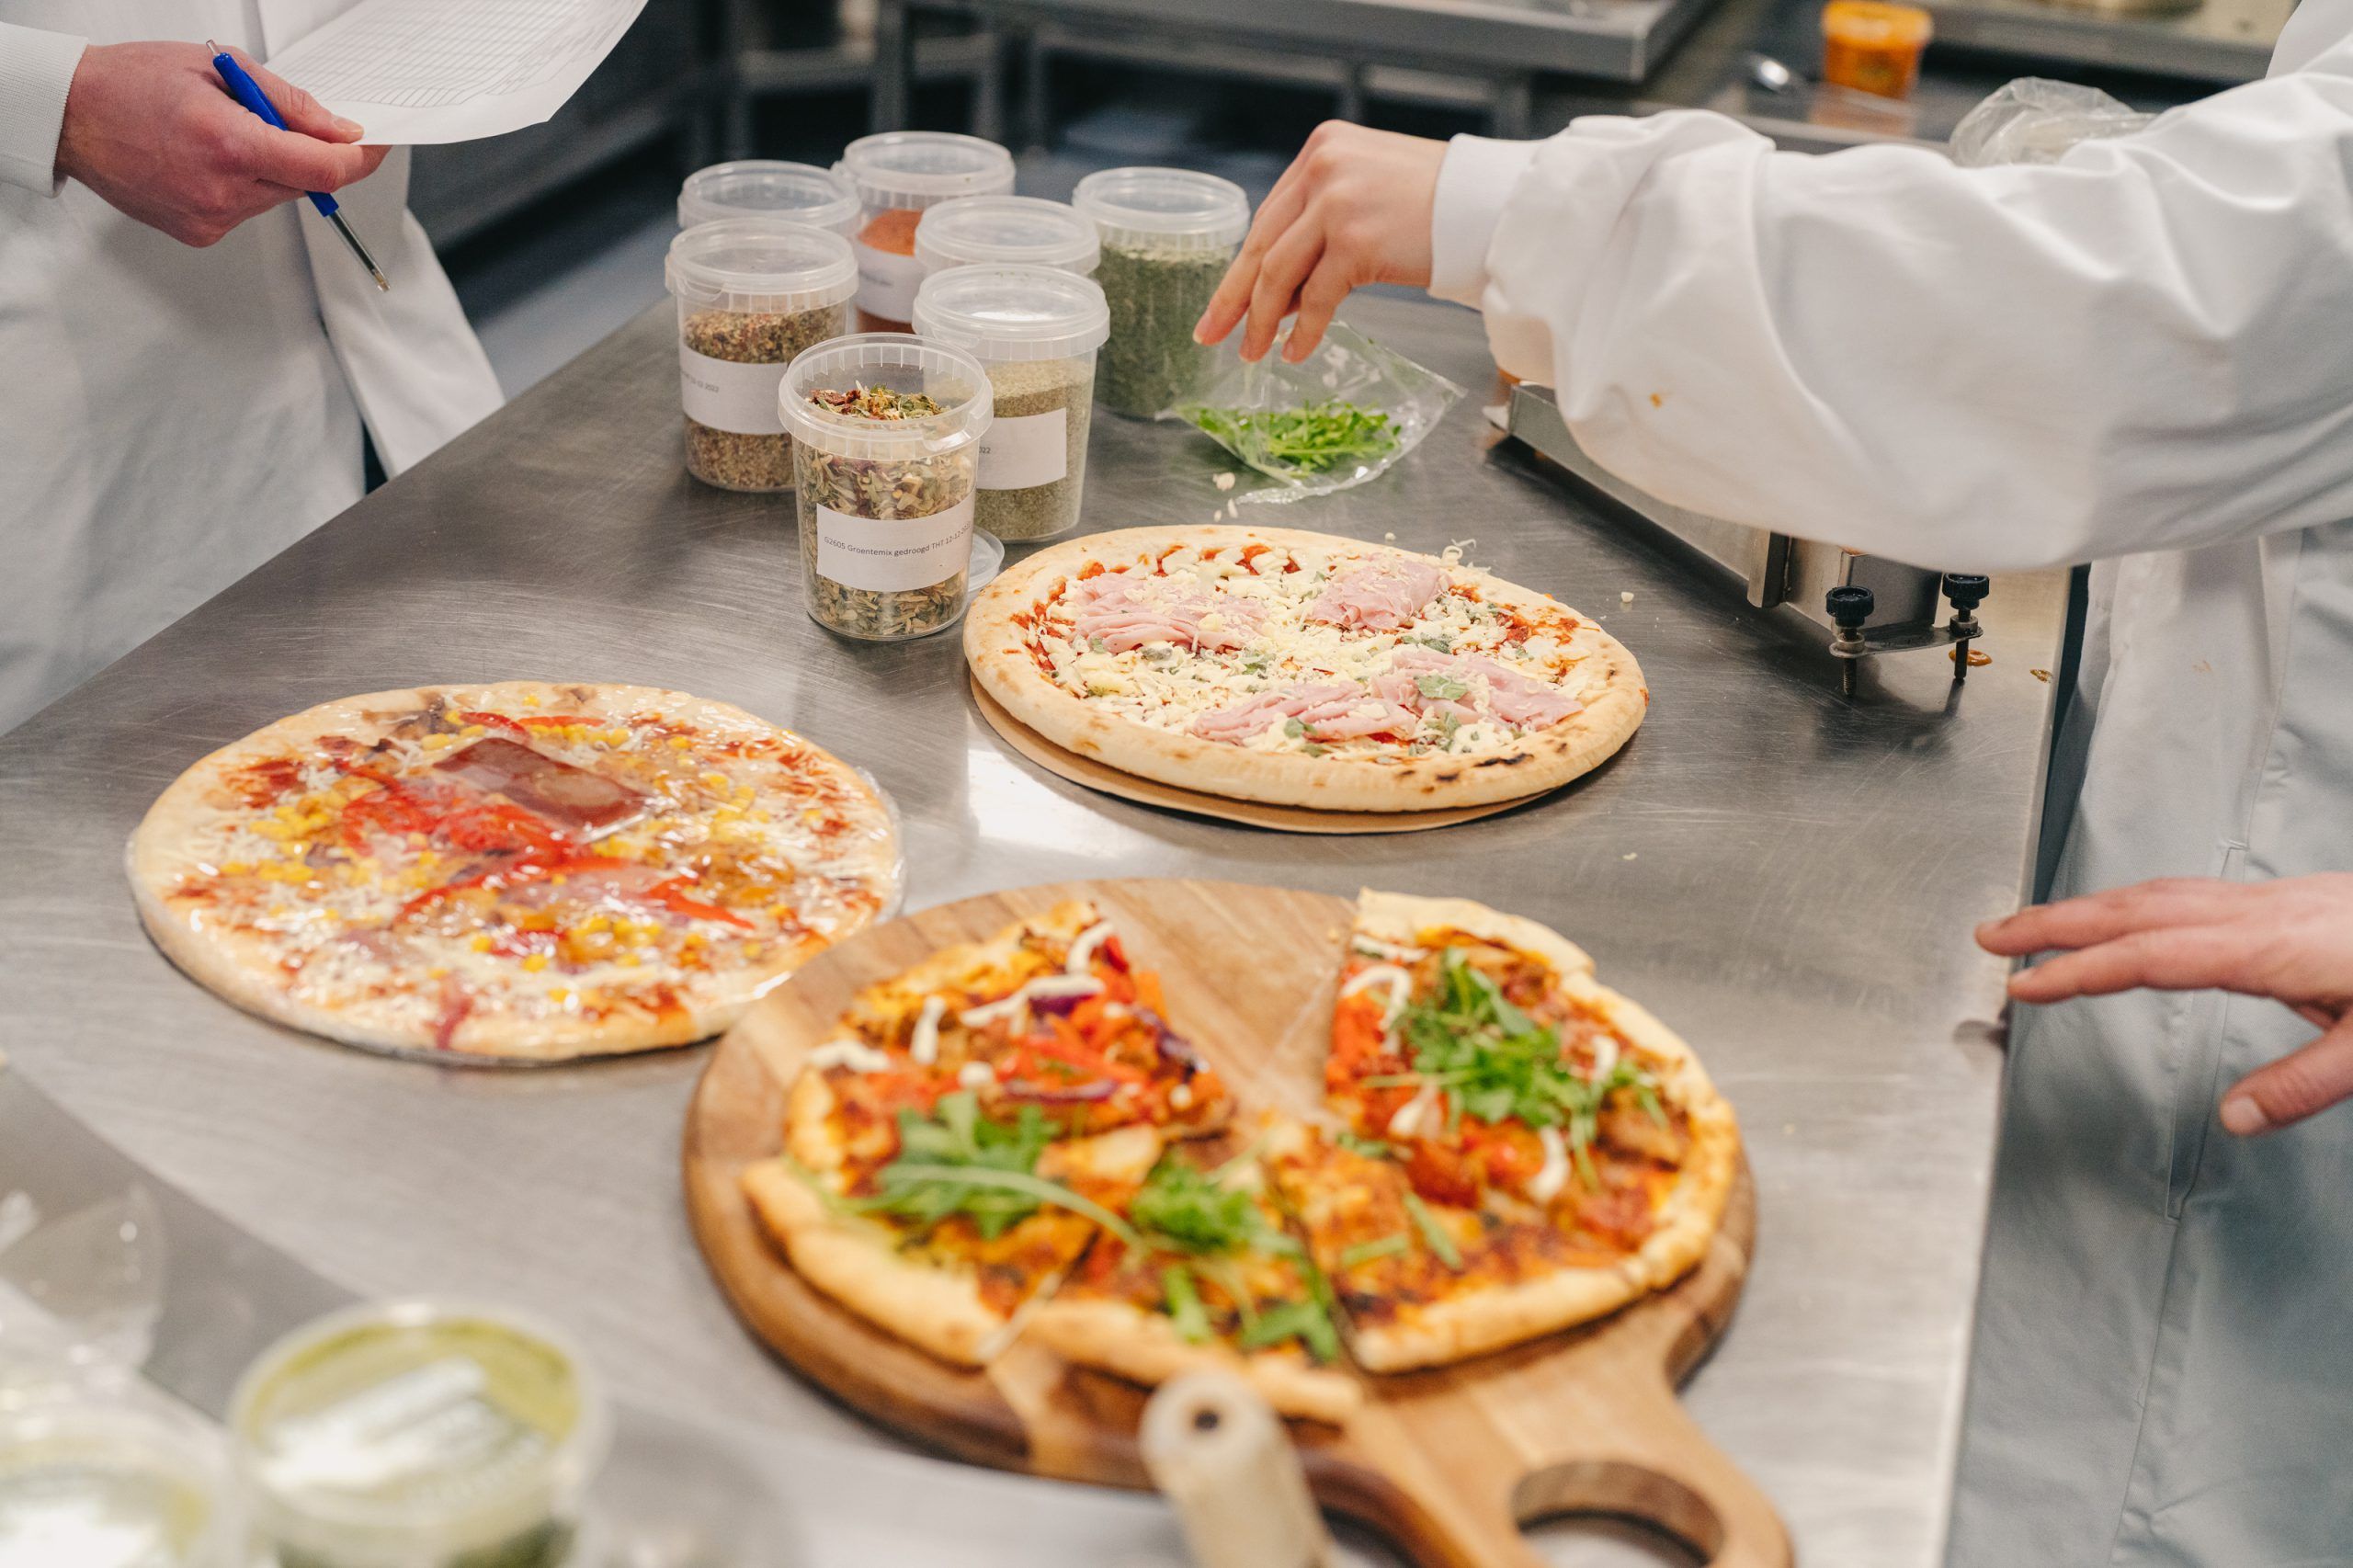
(150, 129)
(2291, 940)
(1353, 208)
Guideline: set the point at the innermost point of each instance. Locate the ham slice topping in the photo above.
(572, 798)
(1522, 703)
(1127, 613)
(1329, 710)
(1378, 594)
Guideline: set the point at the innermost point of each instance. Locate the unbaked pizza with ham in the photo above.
(1303, 669)
(528, 870)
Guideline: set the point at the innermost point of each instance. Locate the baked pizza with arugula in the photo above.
(1303, 669)
(1012, 1138)
(527, 871)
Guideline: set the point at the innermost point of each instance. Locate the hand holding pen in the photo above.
(151, 128)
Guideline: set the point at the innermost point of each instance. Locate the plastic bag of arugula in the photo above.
(1344, 415)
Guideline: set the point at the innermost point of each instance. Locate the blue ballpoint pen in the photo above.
(247, 91)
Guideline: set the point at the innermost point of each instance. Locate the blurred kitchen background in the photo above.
(554, 235)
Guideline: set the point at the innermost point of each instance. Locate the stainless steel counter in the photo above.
(1787, 878)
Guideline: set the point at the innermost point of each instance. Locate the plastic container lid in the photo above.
(904, 362)
(103, 1485)
(1006, 231)
(1000, 314)
(1165, 208)
(919, 168)
(764, 187)
(414, 1429)
(760, 264)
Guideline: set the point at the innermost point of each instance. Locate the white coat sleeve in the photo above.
(2146, 346)
(36, 70)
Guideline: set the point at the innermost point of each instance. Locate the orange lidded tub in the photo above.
(1874, 47)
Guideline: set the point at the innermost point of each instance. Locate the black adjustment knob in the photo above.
(1967, 590)
(1849, 607)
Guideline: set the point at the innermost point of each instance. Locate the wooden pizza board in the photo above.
(1446, 1462)
(1096, 774)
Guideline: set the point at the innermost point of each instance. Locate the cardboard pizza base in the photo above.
(1448, 1462)
(1065, 763)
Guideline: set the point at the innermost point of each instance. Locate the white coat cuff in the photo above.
(1474, 186)
(36, 70)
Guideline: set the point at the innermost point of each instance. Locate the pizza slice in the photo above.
(1524, 1148)
(1204, 1274)
(1049, 1013)
(945, 1226)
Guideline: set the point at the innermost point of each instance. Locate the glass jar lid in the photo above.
(760, 264)
(1006, 231)
(1164, 209)
(998, 313)
(903, 363)
(767, 187)
(919, 168)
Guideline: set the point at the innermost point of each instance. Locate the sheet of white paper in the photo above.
(418, 70)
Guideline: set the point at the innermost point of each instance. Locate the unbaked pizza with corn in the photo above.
(526, 871)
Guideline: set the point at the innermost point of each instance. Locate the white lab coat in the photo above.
(172, 417)
(2141, 356)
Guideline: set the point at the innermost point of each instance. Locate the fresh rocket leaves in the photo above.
(958, 1161)
(1191, 1212)
(1496, 1064)
(1205, 1226)
(1181, 1299)
(1329, 437)
(1306, 1322)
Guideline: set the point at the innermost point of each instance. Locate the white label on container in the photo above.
(887, 283)
(1026, 450)
(729, 395)
(897, 554)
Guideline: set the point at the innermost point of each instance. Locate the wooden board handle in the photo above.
(1675, 1479)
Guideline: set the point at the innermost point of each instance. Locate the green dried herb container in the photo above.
(1168, 235)
(1036, 331)
(768, 187)
(886, 506)
(753, 293)
(420, 1434)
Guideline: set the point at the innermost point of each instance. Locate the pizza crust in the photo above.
(1615, 700)
(239, 969)
(1401, 918)
(1145, 1347)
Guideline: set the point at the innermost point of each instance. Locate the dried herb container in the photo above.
(886, 488)
(753, 293)
(896, 176)
(767, 187)
(1036, 331)
(1006, 231)
(1168, 235)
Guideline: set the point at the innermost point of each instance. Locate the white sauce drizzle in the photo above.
(854, 1054)
(1546, 1185)
(975, 1075)
(1083, 947)
(1393, 952)
(924, 1045)
(1399, 983)
(1015, 1005)
(1604, 1056)
(1409, 1116)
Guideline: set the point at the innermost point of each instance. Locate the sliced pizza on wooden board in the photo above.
(530, 871)
(1301, 669)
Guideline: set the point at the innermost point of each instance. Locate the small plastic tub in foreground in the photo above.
(1036, 331)
(94, 1482)
(896, 176)
(767, 187)
(1006, 231)
(886, 497)
(753, 293)
(1168, 236)
(420, 1434)
(1872, 47)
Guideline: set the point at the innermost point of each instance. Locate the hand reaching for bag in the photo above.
(2291, 940)
(150, 129)
(1354, 207)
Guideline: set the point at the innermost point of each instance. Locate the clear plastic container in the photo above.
(420, 1434)
(753, 293)
(896, 176)
(886, 504)
(1168, 236)
(1006, 231)
(97, 1483)
(766, 188)
(1036, 331)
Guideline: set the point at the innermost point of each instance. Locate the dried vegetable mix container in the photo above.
(1006, 231)
(420, 1434)
(753, 293)
(886, 436)
(1167, 237)
(1036, 331)
(766, 187)
(896, 176)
